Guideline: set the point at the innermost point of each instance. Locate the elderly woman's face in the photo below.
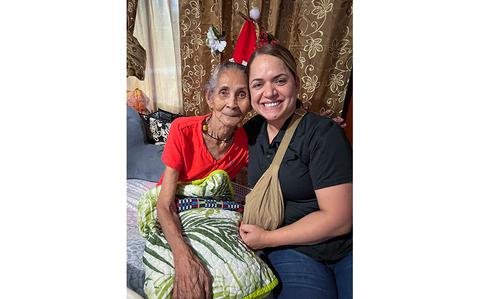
(230, 101)
(273, 89)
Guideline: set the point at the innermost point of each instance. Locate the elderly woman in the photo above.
(196, 146)
(311, 253)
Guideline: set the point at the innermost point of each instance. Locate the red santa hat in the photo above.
(247, 40)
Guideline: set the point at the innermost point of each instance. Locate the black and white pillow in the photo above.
(159, 130)
(157, 125)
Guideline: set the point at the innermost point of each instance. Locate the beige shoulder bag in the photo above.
(264, 204)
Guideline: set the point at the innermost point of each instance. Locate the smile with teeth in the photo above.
(272, 104)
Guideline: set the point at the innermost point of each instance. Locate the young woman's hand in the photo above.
(254, 236)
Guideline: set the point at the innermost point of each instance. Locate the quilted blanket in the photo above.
(213, 235)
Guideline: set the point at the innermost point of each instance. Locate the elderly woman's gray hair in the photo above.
(218, 70)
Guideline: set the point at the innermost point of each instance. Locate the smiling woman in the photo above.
(273, 90)
(311, 251)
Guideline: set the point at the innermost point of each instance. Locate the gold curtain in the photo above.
(318, 33)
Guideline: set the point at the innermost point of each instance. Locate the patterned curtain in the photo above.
(318, 33)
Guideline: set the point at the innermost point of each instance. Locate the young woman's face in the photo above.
(273, 89)
(230, 101)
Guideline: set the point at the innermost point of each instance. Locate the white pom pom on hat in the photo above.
(254, 13)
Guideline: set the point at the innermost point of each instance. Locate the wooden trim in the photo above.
(347, 112)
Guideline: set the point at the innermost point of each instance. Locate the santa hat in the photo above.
(247, 40)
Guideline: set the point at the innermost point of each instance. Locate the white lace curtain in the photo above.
(157, 30)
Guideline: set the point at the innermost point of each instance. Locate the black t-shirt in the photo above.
(318, 156)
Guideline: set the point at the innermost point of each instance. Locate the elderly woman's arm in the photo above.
(333, 219)
(192, 279)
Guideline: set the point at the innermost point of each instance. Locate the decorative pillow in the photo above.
(159, 130)
(213, 235)
(157, 125)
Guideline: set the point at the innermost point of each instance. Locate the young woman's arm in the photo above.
(333, 219)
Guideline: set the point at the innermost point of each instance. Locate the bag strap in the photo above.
(297, 117)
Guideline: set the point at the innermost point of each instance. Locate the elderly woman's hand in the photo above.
(192, 279)
(254, 236)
